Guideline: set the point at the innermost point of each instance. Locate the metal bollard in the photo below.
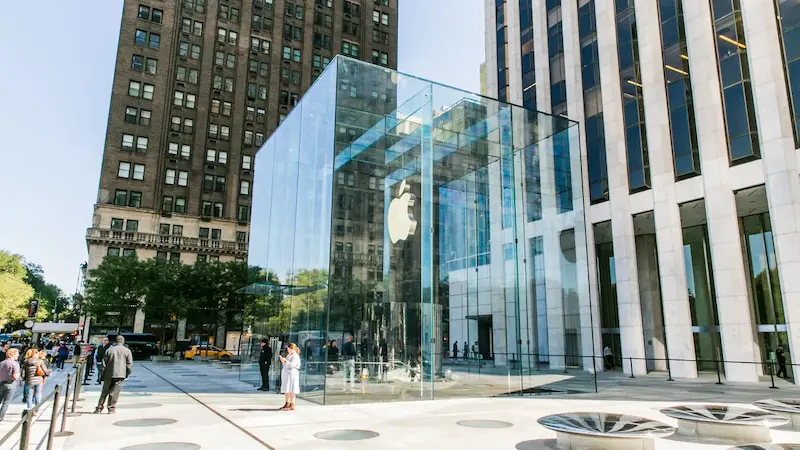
(719, 378)
(669, 370)
(87, 372)
(25, 436)
(63, 431)
(772, 376)
(53, 416)
(76, 393)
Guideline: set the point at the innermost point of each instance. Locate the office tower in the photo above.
(689, 119)
(198, 87)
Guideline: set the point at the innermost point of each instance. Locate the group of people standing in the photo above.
(31, 376)
(476, 352)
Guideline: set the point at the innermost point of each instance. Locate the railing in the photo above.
(28, 416)
(166, 241)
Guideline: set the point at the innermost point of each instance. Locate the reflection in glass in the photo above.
(392, 250)
(702, 299)
(685, 150)
(734, 73)
(632, 97)
(764, 280)
(788, 15)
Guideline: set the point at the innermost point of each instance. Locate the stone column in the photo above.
(736, 325)
(138, 321)
(630, 315)
(669, 235)
(779, 161)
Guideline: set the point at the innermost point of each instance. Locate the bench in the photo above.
(786, 407)
(600, 431)
(724, 423)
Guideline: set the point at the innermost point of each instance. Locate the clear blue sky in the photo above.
(55, 82)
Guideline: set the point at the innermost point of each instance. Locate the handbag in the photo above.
(39, 371)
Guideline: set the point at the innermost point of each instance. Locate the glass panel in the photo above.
(391, 238)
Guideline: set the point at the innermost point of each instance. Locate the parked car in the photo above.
(208, 351)
(142, 345)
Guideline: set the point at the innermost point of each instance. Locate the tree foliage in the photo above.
(15, 293)
(116, 287)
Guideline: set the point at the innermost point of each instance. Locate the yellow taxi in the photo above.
(208, 351)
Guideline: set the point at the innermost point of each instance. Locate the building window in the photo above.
(141, 144)
(247, 162)
(163, 228)
(349, 49)
(322, 40)
(151, 66)
(244, 188)
(135, 200)
(218, 210)
(134, 88)
(137, 62)
(296, 55)
(224, 132)
(112, 251)
(161, 256)
(351, 28)
(120, 197)
(241, 236)
(734, 74)
(144, 12)
(140, 37)
(177, 230)
(287, 53)
(117, 224)
(323, 20)
(131, 225)
(243, 213)
(229, 84)
(213, 130)
(127, 142)
(124, 170)
(174, 257)
(126, 252)
(183, 178)
(352, 8)
(170, 176)
(138, 171)
(206, 211)
(180, 205)
(789, 23)
(158, 16)
(144, 117)
(166, 203)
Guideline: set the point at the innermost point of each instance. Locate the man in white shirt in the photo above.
(609, 357)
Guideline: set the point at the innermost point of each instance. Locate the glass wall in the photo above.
(734, 73)
(593, 104)
(502, 50)
(683, 129)
(788, 14)
(630, 78)
(526, 52)
(398, 248)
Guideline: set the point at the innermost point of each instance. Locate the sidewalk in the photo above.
(42, 421)
(192, 405)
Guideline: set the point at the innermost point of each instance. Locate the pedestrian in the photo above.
(43, 357)
(608, 355)
(3, 351)
(455, 349)
(28, 354)
(333, 351)
(290, 376)
(309, 351)
(61, 356)
(349, 355)
(99, 352)
(9, 374)
(117, 366)
(475, 350)
(33, 373)
(264, 364)
(781, 356)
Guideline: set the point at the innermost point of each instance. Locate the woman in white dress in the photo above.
(290, 376)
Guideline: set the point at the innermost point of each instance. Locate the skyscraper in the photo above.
(198, 87)
(689, 118)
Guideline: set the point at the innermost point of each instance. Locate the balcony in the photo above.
(165, 242)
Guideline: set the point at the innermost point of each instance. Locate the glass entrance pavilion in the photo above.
(418, 241)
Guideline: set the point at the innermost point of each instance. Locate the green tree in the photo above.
(166, 288)
(117, 286)
(15, 293)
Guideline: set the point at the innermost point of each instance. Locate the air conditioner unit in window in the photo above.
(181, 84)
(173, 161)
(210, 166)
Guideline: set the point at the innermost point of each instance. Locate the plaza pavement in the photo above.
(212, 409)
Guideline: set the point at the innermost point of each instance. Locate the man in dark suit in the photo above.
(99, 352)
(264, 363)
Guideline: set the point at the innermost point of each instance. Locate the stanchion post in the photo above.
(631, 361)
(25, 436)
(86, 372)
(76, 393)
(63, 431)
(53, 416)
(719, 378)
(669, 370)
(772, 375)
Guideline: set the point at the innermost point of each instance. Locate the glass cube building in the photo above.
(417, 241)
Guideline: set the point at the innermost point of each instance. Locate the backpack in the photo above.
(39, 371)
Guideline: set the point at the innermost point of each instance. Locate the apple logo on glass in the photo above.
(401, 222)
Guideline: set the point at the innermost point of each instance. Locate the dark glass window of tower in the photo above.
(632, 97)
(526, 51)
(502, 51)
(788, 14)
(558, 104)
(683, 130)
(592, 103)
(734, 75)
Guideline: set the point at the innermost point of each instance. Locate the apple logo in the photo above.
(401, 222)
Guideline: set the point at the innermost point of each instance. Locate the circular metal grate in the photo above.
(346, 435)
(153, 422)
(484, 424)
